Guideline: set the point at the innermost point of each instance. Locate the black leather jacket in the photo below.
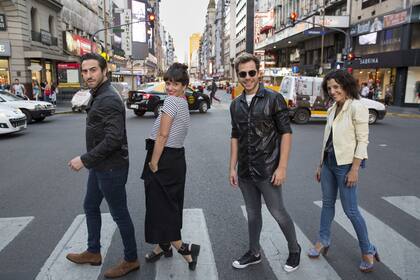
(106, 137)
(258, 128)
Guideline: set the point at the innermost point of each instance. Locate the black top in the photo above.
(106, 137)
(258, 128)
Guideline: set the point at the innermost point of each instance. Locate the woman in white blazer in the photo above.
(344, 150)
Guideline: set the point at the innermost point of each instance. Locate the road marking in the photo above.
(73, 241)
(10, 228)
(409, 204)
(396, 252)
(194, 230)
(383, 145)
(275, 249)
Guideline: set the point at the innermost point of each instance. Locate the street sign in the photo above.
(314, 32)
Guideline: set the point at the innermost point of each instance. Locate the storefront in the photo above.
(42, 70)
(4, 63)
(382, 79)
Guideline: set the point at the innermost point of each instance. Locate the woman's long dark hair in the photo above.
(177, 72)
(345, 80)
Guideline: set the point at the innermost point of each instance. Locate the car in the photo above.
(80, 100)
(150, 98)
(11, 119)
(33, 110)
(197, 85)
(305, 100)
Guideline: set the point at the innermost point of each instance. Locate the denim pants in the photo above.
(333, 179)
(110, 185)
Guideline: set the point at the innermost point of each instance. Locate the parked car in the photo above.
(305, 99)
(150, 98)
(11, 119)
(80, 100)
(197, 85)
(33, 110)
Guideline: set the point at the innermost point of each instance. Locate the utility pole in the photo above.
(106, 28)
(321, 68)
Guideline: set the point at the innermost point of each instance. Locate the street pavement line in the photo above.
(276, 251)
(10, 228)
(396, 252)
(408, 204)
(57, 267)
(176, 268)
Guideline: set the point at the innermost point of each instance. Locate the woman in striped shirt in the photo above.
(164, 172)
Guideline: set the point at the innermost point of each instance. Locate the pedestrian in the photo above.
(365, 90)
(260, 147)
(343, 151)
(18, 89)
(213, 92)
(47, 92)
(36, 90)
(107, 161)
(164, 172)
(54, 92)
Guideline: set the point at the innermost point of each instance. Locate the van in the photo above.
(305, 100)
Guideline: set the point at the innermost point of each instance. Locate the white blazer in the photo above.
(350, 131)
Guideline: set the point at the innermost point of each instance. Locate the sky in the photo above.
(182, 18)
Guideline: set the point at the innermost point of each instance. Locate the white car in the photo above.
(80, 100)
(11, 119)
(33, 110)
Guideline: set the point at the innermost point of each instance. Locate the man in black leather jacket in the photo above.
(260, 147)
(107, 161)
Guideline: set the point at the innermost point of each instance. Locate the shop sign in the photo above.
(370, 60)
(4, 48)
(68, 65)
(45, 37)
(3, 25)
(78, 45)
(395, 19)
(333, 21)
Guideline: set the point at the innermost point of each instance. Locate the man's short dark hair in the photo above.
(244, 58)
(94, 56)
(177, 72)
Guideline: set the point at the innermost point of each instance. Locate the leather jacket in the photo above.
(259, 128)
(106, 137)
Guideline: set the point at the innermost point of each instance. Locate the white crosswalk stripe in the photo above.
(194, 230)
(57, 267)
(275, 249)
(10, 228)
(409, 204)
(396, 252)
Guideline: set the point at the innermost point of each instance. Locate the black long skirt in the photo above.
(164, 191)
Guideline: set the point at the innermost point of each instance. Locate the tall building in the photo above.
(219, 36)
(208, 51)
(194, 43)
(229, 39)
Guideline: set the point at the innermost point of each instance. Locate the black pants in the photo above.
(164, 195)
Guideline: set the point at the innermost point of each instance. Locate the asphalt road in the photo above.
(36, 182)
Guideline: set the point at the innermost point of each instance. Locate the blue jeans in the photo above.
(111, 185)
(333, 179)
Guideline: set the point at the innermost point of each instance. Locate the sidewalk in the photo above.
(63, 108)
(404, 112)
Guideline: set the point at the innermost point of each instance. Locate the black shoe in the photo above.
(193, 250)
(153, 257)
(293, 261)
(246, 260)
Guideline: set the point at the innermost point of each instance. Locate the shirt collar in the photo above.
(97, 91)
(260, 92)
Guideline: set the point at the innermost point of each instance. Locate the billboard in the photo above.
(139, 46)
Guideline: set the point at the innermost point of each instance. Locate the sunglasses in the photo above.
(251, 73)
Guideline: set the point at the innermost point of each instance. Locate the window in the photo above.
(51, 25)
(34, 20)
(369, 3)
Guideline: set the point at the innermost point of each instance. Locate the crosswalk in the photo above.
(397, 253)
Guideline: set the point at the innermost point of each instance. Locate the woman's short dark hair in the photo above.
(94, 56)
(345, 80)
(177, 72)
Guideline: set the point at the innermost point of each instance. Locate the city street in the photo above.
(41, 200)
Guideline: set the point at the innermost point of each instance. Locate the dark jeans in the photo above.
(111, 185)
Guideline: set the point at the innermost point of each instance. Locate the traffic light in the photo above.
(151, 19)
(293, 18)
(350, 56)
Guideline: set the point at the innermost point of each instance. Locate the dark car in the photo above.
(150, 97)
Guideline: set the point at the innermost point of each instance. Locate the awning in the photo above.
(266, 28)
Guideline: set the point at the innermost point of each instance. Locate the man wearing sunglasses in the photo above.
(260, 145)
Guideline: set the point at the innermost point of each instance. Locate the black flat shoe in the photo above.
(193, 250)
(153, 257)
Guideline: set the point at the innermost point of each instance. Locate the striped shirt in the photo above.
(177, 109)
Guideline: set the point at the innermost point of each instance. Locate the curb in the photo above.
(406, 116)
(63, 112)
